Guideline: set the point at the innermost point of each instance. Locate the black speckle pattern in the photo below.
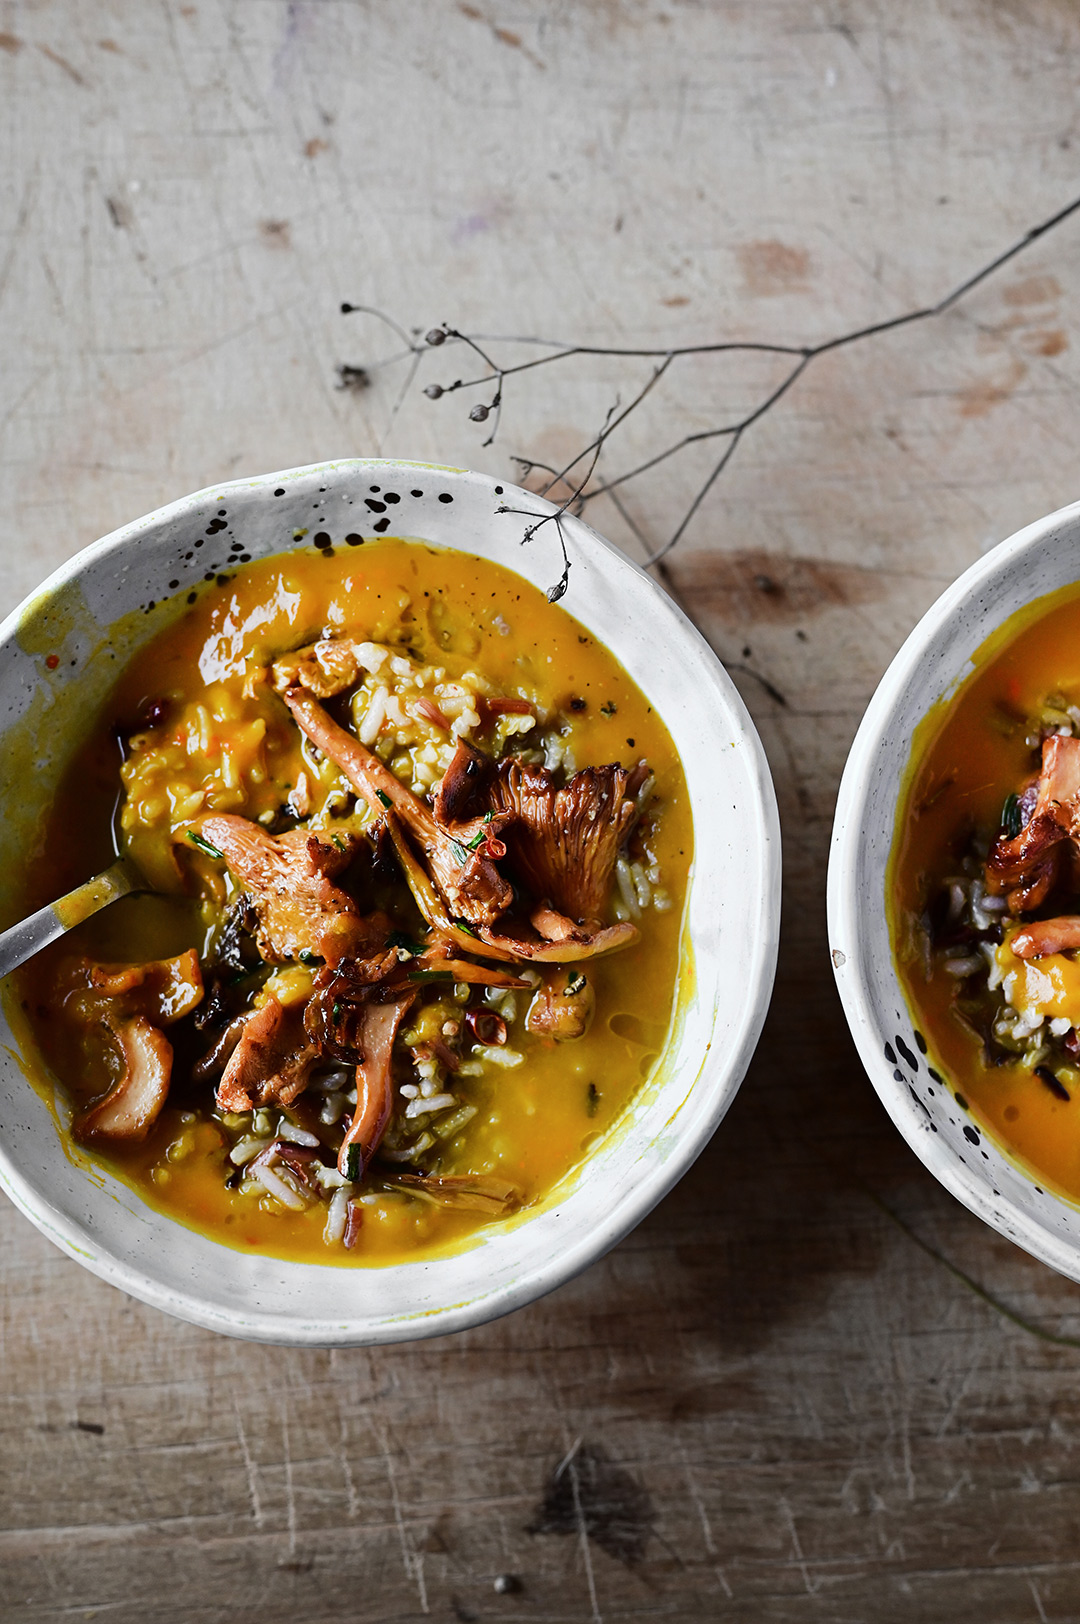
(908, 1053)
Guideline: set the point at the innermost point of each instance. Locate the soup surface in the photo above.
(984, 888)
(418, 849)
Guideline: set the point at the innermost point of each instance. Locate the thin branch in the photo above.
(734, 433)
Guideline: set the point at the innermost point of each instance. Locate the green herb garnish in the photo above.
(353, 1165)
(342, 845)
(481, 834)
(383, 797)
(1011, 816)
(460, 852)
(463, 924)
(204, 845)
(306, 956)
(431, 975)
(398, 938)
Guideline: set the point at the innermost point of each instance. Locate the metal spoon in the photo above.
(23, 940)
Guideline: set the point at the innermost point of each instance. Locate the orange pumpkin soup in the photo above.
(416, 850)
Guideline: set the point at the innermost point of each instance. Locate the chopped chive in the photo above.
(481, 834)
(306, 956)
(353, 1168)
(398, 938)
(463, 924)
(383, 797)
(204, 845)
(339, 843)
(1011, 816)
(432, 975)
(460, 852)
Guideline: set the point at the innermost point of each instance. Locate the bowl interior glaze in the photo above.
(97, 610)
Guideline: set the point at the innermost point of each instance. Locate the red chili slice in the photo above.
(485, 1026)
(431, 713)
(510, 707)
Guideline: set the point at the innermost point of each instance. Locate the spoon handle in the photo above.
(29, 936)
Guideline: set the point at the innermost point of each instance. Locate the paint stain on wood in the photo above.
(1052, 342)
(675, 302)
(1033, 290)
(771, 267)
(980, 398)
(316, 145)
(588, 1491)
(505, 36)
(755, 585)
(276, 233)
(64, 65)
(11, 43)
(119, 213)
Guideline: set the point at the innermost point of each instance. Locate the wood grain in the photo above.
(770, 1402)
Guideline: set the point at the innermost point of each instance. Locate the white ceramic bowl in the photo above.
(730, 929)
(935, 658)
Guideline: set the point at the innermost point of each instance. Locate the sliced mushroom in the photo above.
(162, 990)
(217, 1056)
(1026, 867)
(1046, 936)
(563, 842)
(327, 667)
(272, 1062)
(130, 1108)
(374, 1090)
(298, 909)
(467, 879)
(563, 1006)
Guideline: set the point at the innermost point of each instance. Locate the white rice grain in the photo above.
(337, 1213)
(245, 1149)
(507, 1058)
(626, 888)
(278, 1187)
(373, 717)
(298, 1136)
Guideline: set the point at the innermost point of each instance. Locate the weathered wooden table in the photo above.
(782, 1399)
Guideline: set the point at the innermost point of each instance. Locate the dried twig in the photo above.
(581, 491)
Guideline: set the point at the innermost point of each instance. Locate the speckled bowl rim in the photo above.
(725, 1073)
(851, 921)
